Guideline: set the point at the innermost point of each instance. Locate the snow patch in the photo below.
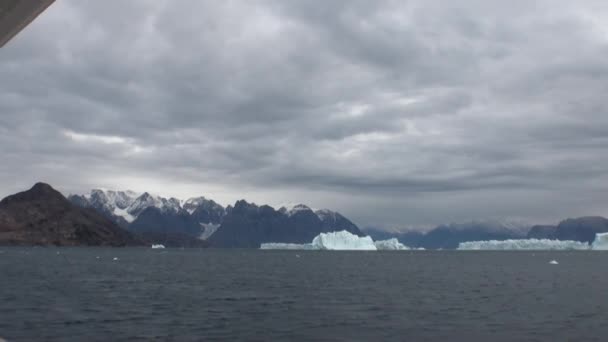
(297, 208)
(124, 214)
(208, 230)
(324, 214)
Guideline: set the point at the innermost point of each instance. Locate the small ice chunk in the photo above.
(158, 246)
(553, 262)
(115, 259)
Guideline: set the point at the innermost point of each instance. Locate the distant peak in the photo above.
(297, 209)
(42, 187)
(37, 192)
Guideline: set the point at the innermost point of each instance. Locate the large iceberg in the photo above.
(339, 241)
(524, 244)
(601, 242)
(343, 241)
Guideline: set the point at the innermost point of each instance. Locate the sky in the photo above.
(401, 114)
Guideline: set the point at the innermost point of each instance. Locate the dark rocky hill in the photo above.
(542, 232)
(581, 229)
(43, 216)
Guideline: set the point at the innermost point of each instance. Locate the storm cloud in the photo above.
(395, 113)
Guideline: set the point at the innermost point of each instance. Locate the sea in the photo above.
(105, 294)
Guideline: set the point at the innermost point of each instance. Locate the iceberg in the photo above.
(523, 244)
(159, 246)
(335, 241)
(601, 242)
(286, 246)
(390, 245)
(343, 241)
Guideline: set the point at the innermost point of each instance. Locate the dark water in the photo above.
(274, 295)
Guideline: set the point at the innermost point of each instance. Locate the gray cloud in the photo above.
(396, 113)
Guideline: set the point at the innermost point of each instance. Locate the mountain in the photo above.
(333, 221)
(247, 225)
(159, 219)
(155, 220)
(581, 229)
(207, 213)
(449, 236)
(43, 216)
(143, 202)
(204, 210)
(111, 204)
(542, 232)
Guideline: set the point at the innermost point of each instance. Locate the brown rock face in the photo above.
(42, 216)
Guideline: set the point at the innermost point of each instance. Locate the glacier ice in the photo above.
(343, 241)
(340, 241)
(286, 246)
(390, 245)
(335, 241)
(124, 214)
(208, 230)
(601, 242)
(346, 241)
(523, 244)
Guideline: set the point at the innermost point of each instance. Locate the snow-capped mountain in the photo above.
(205, 211)
(112, 204)
(124, 207)
(247, 225)
(244, 225)
(146, 200)
(298, 208)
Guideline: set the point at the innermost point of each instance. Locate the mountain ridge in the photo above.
(43, 216)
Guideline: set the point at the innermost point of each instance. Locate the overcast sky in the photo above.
(395, 113)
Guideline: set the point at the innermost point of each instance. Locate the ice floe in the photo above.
(524, 244)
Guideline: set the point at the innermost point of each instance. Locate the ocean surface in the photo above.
(85, 294)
